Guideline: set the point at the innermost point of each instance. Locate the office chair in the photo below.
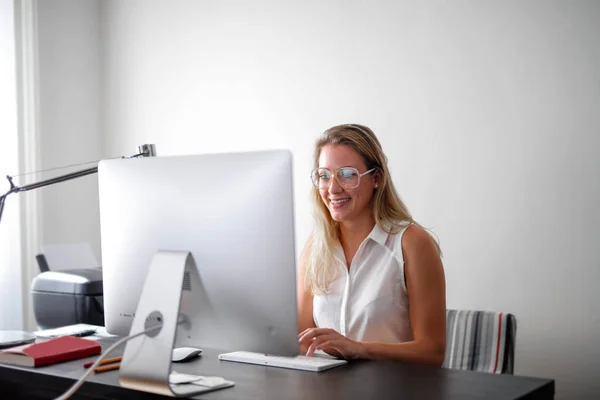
(481, 341)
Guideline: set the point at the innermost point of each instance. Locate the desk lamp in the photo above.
(15, 338)
(145, 150)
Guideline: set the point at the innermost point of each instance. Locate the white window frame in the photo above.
(26, 29)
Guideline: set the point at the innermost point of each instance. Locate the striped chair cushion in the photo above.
(480, 341)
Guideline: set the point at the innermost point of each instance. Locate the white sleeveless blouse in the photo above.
(368, 302)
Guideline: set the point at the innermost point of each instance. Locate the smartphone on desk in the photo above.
(66, 331)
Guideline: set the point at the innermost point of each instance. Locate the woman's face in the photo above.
(346, 204)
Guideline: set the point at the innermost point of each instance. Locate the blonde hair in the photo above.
(389, 212)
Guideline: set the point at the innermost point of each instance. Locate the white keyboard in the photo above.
(299, 362)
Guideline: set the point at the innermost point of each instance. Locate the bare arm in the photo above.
(426, 286)
(305, 297)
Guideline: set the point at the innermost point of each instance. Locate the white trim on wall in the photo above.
(11, 316)
(29, 133)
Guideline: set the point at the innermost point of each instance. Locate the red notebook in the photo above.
(50, 351)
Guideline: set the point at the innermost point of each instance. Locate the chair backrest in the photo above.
(480, 341)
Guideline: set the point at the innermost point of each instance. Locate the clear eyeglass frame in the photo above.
(338, 176)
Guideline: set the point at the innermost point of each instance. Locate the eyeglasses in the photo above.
(347, 177)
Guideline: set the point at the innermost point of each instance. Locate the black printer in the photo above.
(69, 297)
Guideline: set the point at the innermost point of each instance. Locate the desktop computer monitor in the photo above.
(234, 213)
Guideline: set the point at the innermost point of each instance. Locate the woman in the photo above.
(371, 281)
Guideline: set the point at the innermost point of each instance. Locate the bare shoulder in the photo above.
(416, 241)
(416, 236)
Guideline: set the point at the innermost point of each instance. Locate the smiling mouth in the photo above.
(337, 203)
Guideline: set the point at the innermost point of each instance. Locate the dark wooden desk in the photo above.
(357, 380)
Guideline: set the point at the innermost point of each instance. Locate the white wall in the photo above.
(489, 113)
(69, 118)
(11, 306)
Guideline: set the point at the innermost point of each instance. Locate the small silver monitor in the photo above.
(234, 212)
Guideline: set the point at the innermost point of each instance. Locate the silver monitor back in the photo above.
(234, 213)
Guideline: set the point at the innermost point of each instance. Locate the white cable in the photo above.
(78, 384)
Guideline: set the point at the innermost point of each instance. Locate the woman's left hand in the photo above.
(332, 343)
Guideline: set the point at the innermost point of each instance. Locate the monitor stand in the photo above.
(146, 363)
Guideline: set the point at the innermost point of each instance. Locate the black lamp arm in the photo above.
(47, 182)
(51, 181)
(146, 150)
